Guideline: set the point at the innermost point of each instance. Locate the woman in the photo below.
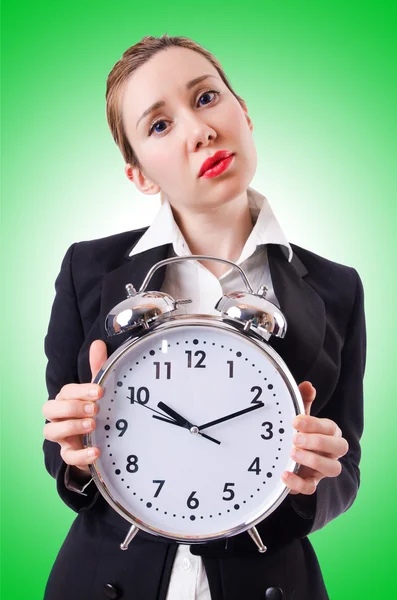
(170, 107)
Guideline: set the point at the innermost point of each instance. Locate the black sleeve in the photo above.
(336, 494)
(299, 515)
(62, 344)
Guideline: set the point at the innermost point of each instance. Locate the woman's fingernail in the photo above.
(89, 408)
(91, 452)
(87, 424)
(299, 439)
(93, 393)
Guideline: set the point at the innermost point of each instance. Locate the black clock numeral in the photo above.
(192, 502)
(158, 369)
(122, 426)
(142, 395)
(231, 368)
(199, 364)
(254, 466)
(161, 482)
(268, 430)
(230, 491)
(132, 463)
(258, 390)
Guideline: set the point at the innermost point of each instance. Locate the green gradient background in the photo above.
(319, 81)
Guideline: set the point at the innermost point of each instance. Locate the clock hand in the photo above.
(164, 418)
(232, 416)
(176, 416)
(181, 421)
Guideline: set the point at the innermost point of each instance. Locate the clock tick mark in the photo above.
(195, 342)
(192, 518)
(238, 354)
(152, 352)
(107, 427)
(281, 430)
(236, 506)
(149, 504)
(119, 384)
(117, 471)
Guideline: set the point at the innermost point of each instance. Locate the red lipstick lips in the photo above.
(219, 157)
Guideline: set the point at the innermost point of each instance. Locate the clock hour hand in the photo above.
(181, 421)
(232, 415)
(178, 418)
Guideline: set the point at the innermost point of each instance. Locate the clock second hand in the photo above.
(164, 418)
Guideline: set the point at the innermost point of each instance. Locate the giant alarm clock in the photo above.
(195, 422)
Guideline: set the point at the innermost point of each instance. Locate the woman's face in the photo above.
(173, 141)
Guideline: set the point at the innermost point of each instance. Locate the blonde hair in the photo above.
(132, 59)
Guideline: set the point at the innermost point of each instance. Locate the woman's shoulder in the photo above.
(315, 263)
(106, 252)
(334, 281)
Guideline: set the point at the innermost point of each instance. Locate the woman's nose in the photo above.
(198, 132)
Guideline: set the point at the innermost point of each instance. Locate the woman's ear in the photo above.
(143, 183)
(245, 109)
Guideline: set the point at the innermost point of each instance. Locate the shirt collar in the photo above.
(266, 230)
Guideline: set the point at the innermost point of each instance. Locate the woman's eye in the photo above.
(203, 95)
(155, 125)
(208, 93)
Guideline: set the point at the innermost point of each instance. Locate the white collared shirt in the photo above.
(190, 279)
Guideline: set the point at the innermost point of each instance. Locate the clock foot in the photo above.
(130, 536)
(257, 539)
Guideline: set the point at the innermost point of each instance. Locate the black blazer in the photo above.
(325, 344)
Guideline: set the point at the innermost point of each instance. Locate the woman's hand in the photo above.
(318, 446)
(71, 414)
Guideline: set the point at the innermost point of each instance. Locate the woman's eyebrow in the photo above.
(161, 103)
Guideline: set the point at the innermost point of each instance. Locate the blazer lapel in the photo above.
(303, 309)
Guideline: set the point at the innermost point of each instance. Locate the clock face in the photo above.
(195, 429)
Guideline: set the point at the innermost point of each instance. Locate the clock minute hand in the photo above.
(232, 416)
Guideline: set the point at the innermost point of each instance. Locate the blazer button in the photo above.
(274, 593)
(111, 591)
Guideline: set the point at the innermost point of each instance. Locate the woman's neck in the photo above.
(220, 231)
